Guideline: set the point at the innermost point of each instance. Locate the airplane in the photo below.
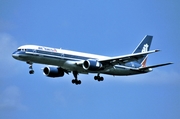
(61, 61)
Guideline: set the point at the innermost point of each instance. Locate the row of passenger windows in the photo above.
(53, 53)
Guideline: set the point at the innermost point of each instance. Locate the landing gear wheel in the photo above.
(31, 72)
(73, 81)
(101, 79)
(95, 77)
(98, 78)
(76, 81)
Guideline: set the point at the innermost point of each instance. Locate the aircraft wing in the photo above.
(154, 66)
(125, 58)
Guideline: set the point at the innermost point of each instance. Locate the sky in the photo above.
(105, 27)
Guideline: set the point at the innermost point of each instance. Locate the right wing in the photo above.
(125, 58)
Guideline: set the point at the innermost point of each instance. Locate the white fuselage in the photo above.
(67, 59)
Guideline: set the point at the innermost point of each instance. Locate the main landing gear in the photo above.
(76, 81)
(31, 71)
(98, 77)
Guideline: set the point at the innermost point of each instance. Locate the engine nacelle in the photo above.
(53, 72)
(92, 65)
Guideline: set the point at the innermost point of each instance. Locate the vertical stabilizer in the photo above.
(143, 46)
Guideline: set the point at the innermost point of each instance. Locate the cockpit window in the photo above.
(21, 50)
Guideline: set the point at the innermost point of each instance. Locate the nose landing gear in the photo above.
(31, 71)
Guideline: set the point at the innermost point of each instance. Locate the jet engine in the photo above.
(91, 65)
(53, 72)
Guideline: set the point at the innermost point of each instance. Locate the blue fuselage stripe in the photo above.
(53, 54)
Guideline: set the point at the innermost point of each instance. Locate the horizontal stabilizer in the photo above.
(154, 66)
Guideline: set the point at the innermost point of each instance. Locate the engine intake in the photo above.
(92, 65)
(53, 72)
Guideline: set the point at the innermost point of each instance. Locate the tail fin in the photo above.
(143, 46)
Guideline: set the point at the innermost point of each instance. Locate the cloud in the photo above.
(7, 47)
(6, 25)
(167, 76)
(10, 99)
(60, 98)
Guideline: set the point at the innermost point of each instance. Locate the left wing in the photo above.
(125, 58)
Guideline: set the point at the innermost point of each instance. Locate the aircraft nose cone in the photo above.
(15, 55)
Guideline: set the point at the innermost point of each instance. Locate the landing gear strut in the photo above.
(76, 81)
(31, 71)
(98, 77)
